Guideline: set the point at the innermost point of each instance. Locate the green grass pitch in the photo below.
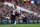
(20, 25)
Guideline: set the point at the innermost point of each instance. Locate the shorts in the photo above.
(17, 14)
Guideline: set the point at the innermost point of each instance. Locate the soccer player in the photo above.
(13, 16)
(17, 15)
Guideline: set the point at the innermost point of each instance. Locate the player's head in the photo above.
(15, 6)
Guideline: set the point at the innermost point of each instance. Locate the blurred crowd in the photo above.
(32, 7)
(5, 10)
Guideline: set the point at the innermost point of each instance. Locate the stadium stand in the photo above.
(32, 11)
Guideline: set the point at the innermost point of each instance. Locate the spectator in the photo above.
(7, 17)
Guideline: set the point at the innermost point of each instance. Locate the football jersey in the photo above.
(18, 10)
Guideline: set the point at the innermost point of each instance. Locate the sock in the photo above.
(15, 22)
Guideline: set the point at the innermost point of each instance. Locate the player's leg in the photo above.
(17, 18)
(14, 20)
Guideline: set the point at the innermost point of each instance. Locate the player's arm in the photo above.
(14, 11)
